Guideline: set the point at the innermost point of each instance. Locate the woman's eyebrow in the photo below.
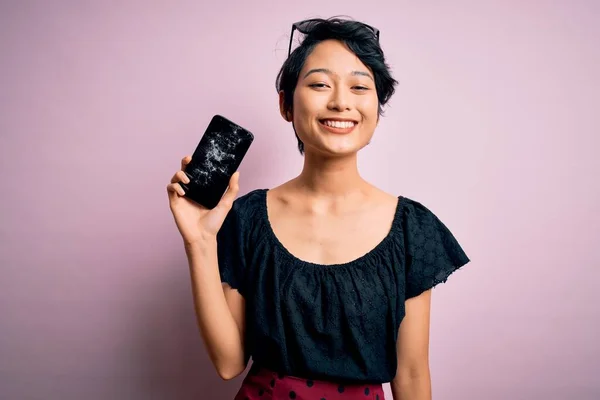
(362, 73)
(330, 72)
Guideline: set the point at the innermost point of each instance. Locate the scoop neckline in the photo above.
(357, 261)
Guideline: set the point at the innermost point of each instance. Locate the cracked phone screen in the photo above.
(217, 157)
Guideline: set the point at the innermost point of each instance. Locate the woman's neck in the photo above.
(331, 177)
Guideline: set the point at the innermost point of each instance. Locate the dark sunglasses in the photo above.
(305, 26)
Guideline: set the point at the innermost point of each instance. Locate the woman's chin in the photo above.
(335, 149)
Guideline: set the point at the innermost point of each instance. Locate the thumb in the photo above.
(232, 191)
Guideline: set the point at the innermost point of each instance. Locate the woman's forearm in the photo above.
(221, 334)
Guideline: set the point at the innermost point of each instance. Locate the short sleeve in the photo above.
(231, 249)
(432, 251)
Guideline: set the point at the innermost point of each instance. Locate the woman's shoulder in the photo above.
(416, 212)
(383, 198)
(249, 202)
(404, 202)
(246, 214)
(413, 215)
(425, 232)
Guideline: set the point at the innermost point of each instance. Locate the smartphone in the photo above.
(217, 157)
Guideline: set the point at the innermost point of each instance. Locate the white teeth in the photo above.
(339, 124)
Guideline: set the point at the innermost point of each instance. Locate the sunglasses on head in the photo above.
(306, 26)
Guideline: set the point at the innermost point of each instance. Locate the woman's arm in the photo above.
(219, 310)
(413, 380)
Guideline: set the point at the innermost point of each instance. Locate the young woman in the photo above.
(325, 281)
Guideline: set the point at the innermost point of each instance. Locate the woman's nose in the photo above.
(339, 101)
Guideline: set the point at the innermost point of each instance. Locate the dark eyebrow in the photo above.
(317, 70)
(362, 73)
(330, 72)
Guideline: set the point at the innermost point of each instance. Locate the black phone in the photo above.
(217, 157)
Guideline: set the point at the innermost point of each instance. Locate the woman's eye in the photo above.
(361, 88)
(318, 85)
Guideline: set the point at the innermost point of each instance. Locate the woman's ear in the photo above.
(286, 114)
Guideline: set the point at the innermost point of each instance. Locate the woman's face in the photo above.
(335, 103)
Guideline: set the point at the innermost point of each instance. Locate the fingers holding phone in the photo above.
(185, 161)
(174, 187)
(233, 188)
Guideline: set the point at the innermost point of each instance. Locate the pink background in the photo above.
(494, 127)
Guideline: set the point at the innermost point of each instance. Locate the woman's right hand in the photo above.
(195, 222)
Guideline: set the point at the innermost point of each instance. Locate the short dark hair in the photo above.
(359, 39)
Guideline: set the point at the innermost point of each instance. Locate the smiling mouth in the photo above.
(338, 124)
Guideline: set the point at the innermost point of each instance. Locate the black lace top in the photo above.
(332, 322)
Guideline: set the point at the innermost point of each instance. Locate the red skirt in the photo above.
(263, 384)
